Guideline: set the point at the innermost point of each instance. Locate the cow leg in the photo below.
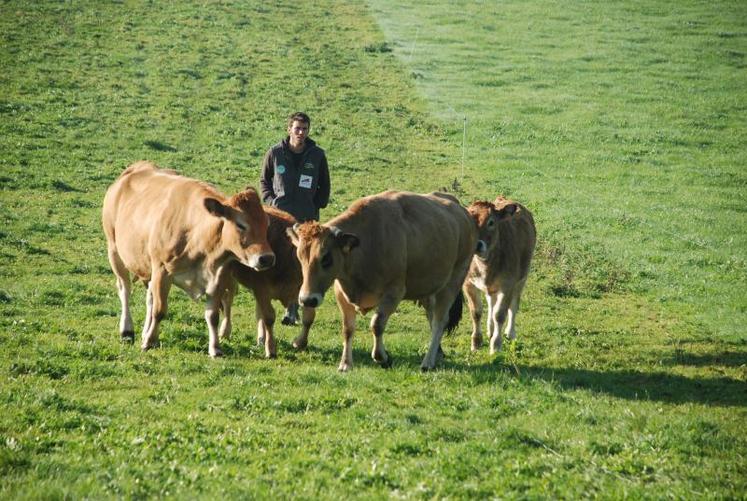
(227, 302)
(437, 310)
(491, 299)
(474, 303)
(513, 310)
(148, 306)
(348, 329)
(124, 287)
(291, 314)
(159, 287)
(212, 316)
(500, 308)
(265, 323)
(261, 332)
(307, 318)
(378, 324)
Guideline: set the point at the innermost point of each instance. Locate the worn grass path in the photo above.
(621, 383)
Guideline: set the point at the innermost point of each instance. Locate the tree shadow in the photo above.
(722, 358)
(630, 384)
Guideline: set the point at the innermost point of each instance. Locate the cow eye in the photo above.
(491, 222)
(327, 260)
(242, 227)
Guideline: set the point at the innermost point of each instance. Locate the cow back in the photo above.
(155, 215)
(420, 238)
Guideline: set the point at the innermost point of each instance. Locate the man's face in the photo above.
(298, 131)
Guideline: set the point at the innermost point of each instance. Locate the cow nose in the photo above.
(311, 301)
(482, 247)
(266, 261)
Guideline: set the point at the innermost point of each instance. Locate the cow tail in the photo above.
(455, 313)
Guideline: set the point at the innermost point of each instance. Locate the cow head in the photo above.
(322, 251)
(487, 216)
(244, 232)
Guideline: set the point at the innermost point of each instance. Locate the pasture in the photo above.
(621, 126)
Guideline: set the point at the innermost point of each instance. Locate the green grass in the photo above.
(622, 126)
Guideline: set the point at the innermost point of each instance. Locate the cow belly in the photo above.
(367, 302)
(425, 280)
(417, 290)
(136, 260)
(195, 282)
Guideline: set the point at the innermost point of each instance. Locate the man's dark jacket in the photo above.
(298, 184)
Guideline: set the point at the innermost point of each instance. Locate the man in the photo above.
(295, 175)
(295, 178)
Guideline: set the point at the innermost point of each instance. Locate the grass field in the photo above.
(620, 125)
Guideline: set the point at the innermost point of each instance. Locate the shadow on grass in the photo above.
(632, 384)
(723, 358)
(627, 384)
(159, 146)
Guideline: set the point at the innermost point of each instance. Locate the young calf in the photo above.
(500, 267)
(280, 282)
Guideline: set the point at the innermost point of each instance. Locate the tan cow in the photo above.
(500, 267)
(383, 249)
(281, 282)
(168, 229)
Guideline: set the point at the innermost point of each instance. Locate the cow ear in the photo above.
(291, 232)
(507, 211)
(215, 208)
(347, 241)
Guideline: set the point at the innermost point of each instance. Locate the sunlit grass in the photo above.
(620, 125)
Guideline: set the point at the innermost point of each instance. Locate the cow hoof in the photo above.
(271, 356)
(151, 345)
(440, 356)
(476, 344)
(386, 364)
(300, 345)
(216, 354)
(127, 337)
(425, 368)
(344, 367)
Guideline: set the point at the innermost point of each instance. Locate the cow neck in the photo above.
(209, 238)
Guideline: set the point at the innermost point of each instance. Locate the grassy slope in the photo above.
(623, 124)
(603, 393)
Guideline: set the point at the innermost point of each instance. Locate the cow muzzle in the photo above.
(482, 249)
(262, 261)
(310, 300)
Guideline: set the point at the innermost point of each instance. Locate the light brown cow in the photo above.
(383, 249)
(281, 282)
(168, 229)
(500, 267)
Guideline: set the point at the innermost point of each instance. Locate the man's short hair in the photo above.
(299, 116)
